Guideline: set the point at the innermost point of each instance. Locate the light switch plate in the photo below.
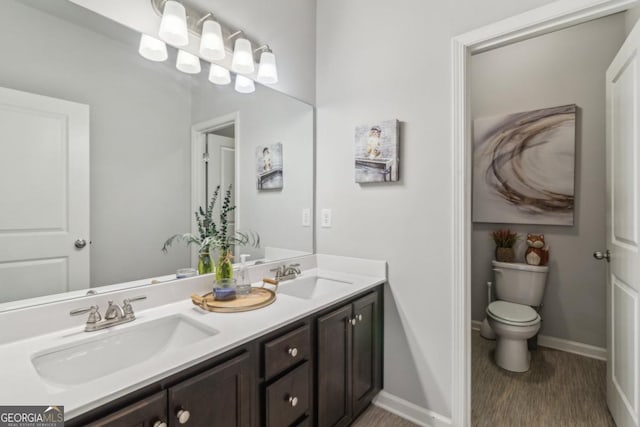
(326, 218)
(306, 217)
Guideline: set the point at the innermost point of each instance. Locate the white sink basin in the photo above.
(114, 350)
(312, 287)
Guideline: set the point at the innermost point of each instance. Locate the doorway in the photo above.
(214, 163)
(544, 20)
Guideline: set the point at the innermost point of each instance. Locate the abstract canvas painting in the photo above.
(269, 166)
(523, 167)
(376, 152)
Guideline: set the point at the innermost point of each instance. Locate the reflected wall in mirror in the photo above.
(102, 146)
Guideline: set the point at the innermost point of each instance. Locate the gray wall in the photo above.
(631, 17)
(267, 117)
(391, 60)
(140, 120)
(565, 67)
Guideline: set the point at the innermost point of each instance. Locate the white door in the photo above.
(623, 227)
(44, 195)
(221, 170)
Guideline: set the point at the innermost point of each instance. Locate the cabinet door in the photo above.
(145, 413)
(334, 368)
(219, 397)
(366, 351)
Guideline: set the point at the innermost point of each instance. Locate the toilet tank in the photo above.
(519, 283)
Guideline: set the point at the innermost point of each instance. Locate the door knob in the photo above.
(159, 424)
(80, 243)
(603, 255)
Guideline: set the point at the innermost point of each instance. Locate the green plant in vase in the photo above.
(212, 237)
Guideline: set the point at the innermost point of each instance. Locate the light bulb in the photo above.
(187, 63)
(219, 75)
(173, 26)
(267, 71)
(242, 61)
(244, 84)
(211, 43)
(152, 48)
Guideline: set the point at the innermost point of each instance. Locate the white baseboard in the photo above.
(409, 411)
(573, 347)
(563, 345)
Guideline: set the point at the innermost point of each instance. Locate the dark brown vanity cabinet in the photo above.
(221, 396)
(287, 369)
(349, 349)
(321, 370)
(149, 412)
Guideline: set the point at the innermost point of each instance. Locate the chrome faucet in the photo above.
(114, 315)
(286, 272)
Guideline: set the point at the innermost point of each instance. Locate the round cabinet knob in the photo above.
(80, 243)
(353, 321)
(359, 317)
(159, 424)
(293, 401)
(183, 416)
(293, 352)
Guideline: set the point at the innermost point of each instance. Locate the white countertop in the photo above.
(23, 385)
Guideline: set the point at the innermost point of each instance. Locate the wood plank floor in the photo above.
(560, 389)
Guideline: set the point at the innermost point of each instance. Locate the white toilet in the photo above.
(517, 288)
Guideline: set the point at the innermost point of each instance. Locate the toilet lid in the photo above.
(512, 312)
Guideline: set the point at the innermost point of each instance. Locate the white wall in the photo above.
(540, 73)
(140, 120)
(267, 117)
(386, 60)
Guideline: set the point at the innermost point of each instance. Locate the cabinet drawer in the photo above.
(285, 351)
(288, 398)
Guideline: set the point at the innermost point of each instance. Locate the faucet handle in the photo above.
(94, 314)
(279, 271)
(127, 308)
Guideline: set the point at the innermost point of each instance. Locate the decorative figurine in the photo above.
(537, 253)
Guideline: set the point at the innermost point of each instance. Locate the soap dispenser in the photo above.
(243, 286)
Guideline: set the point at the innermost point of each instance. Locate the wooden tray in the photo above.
(258, 298)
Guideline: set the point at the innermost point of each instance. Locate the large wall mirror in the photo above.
(107, 154)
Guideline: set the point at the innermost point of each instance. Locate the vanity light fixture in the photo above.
(152, 49)
(187, 63)
(267, 70)
(173, 26)
(242, 61)
(211, 42)
(244, 84)
(219, 75)
(178, 18)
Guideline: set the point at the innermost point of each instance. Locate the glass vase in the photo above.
(205, 263)
(224, 268)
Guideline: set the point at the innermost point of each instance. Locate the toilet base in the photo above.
(512, 355)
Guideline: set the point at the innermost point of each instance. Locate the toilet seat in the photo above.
(513, 314)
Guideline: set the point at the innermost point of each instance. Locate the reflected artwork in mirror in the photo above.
(104, 147)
